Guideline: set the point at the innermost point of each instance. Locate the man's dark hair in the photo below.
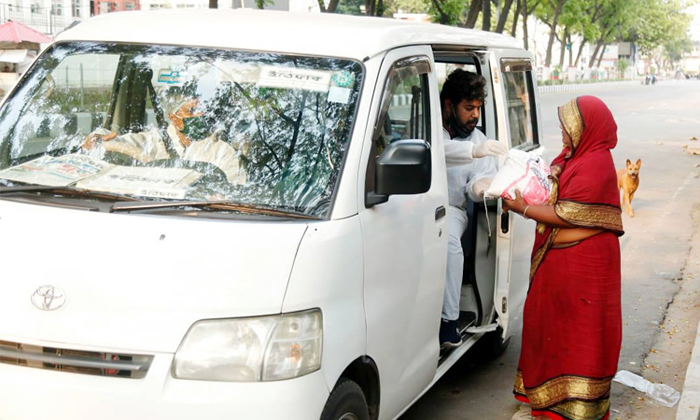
(462, 84)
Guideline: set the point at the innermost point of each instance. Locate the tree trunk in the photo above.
(525, 15)
(580, 50)
(369, 7)
(213, 4)
(473, 15)
(332, 6)
(602, 53)
(486, 15)
(552, 32)
(503, 16)
(562, 54)
(595, 52)
(515, 19)
(571, 51)
(380, 8)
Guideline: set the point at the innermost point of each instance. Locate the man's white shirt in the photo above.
(463, 171)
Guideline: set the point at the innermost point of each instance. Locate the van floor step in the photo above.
(466, 320)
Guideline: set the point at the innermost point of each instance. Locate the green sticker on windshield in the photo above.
(343, 79)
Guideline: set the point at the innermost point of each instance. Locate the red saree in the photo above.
(572, 323)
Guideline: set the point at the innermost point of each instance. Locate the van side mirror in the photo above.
(402, 168)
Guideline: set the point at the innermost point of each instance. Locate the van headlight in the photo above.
(267, 348)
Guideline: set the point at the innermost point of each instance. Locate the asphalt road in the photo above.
(654, 124)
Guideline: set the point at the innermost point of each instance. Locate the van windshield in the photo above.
(181, 123)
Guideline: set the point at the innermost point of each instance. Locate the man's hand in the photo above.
(480, 186)
(489, 148)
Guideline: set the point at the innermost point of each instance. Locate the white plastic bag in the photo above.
(524, 172)
(661, 393)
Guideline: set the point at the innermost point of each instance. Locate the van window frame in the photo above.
(524, 66)
(423, 67)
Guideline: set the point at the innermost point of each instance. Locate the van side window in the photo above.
(520, 103)
(405, 110)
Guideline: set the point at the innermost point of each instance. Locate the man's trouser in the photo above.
(456, 225)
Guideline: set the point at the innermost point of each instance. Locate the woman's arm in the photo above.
(542, 213)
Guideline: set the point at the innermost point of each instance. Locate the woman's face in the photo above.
(565, 138)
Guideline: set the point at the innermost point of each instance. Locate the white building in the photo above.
(53, 16)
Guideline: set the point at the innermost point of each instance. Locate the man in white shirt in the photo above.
(471, 164)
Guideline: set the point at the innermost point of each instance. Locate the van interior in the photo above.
(479, 239)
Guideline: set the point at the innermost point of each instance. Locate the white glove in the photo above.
(480, 186)
(489, 148)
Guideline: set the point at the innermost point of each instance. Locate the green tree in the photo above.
(549, 12)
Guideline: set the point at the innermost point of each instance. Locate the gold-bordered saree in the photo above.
(572, 325)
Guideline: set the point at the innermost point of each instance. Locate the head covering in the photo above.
(589, 123)
(584, 192)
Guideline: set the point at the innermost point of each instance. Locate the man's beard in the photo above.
(461, 130)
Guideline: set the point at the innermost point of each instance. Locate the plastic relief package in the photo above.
(525, 172)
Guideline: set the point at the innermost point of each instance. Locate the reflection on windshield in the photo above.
(158, 122)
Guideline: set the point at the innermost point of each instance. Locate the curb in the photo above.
(689, 405)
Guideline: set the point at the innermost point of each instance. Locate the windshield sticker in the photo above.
(171, 77)
(54, 171)
(292, 78)
(339, 95)
(343, 79)
(147, 182)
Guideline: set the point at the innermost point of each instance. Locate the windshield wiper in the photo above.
(64, 191)
(214, 205)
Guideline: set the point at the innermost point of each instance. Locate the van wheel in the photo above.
(492, 344)
(347, 402)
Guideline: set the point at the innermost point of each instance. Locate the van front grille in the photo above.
(77, 361)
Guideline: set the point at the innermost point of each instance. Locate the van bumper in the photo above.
(28, 393)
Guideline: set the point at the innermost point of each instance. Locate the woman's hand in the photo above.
(517, 205)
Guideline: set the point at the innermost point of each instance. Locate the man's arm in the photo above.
(482, 169)
(458, 152)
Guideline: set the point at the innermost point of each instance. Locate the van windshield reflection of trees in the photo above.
(161, 122)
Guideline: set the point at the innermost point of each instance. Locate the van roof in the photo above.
(319, 34)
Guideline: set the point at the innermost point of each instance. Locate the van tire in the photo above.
(493, 345)
(346, 402)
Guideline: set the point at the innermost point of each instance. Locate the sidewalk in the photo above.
(689, 405)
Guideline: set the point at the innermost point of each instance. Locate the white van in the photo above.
(241, 214)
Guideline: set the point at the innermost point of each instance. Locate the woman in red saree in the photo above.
(572, 323)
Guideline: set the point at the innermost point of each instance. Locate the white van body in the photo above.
(172, 311)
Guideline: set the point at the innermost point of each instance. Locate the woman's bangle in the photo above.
(525, 211)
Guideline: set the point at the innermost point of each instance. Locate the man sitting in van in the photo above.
(461, 98)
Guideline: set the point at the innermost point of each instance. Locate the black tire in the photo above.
(346, 402)
(492, 344)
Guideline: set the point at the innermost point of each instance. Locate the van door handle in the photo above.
(505, 222)
(439, 213)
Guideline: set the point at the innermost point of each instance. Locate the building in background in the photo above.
(690, 63)
(52, 16)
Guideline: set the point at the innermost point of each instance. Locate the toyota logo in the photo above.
(48, 298)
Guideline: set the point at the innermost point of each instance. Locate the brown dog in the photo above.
(628, 181)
